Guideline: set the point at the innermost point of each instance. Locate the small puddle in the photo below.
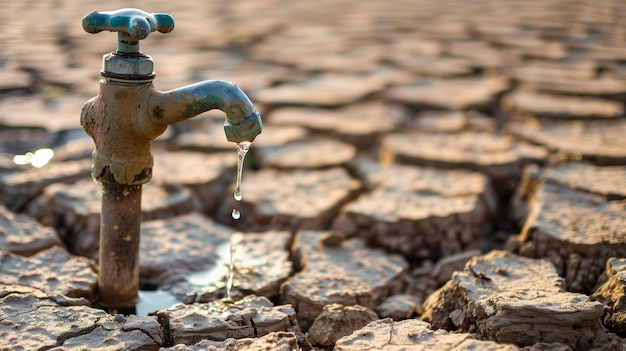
(215, 274)
(154, 300)
(222, 269)
(222, 273)
(150, 299)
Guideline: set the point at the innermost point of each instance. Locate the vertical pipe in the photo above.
(118, 280)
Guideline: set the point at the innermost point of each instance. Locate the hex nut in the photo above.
(142, 66)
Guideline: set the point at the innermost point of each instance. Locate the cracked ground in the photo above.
(453, 170)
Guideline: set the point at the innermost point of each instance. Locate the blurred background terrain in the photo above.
(403, 139)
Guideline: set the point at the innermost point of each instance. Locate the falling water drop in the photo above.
(236, 214)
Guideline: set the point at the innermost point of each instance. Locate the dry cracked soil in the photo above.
(432, 175)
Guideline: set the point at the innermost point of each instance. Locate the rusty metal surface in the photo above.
(118, 279)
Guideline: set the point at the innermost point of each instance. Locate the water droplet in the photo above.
(237, 195)
(236, 214)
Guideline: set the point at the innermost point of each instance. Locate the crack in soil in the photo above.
(19, 313)
(62, 338)
(6, 293)
(454, 347)
(164, 321)
(254, 329)
(147, 333)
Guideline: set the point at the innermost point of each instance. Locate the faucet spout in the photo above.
(243, 122)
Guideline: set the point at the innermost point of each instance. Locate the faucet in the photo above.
(123, 119)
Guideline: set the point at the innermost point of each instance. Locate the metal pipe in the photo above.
(118, 279)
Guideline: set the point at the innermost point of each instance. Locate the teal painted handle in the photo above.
(131, 24)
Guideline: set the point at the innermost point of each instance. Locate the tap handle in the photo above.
(131, 24)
